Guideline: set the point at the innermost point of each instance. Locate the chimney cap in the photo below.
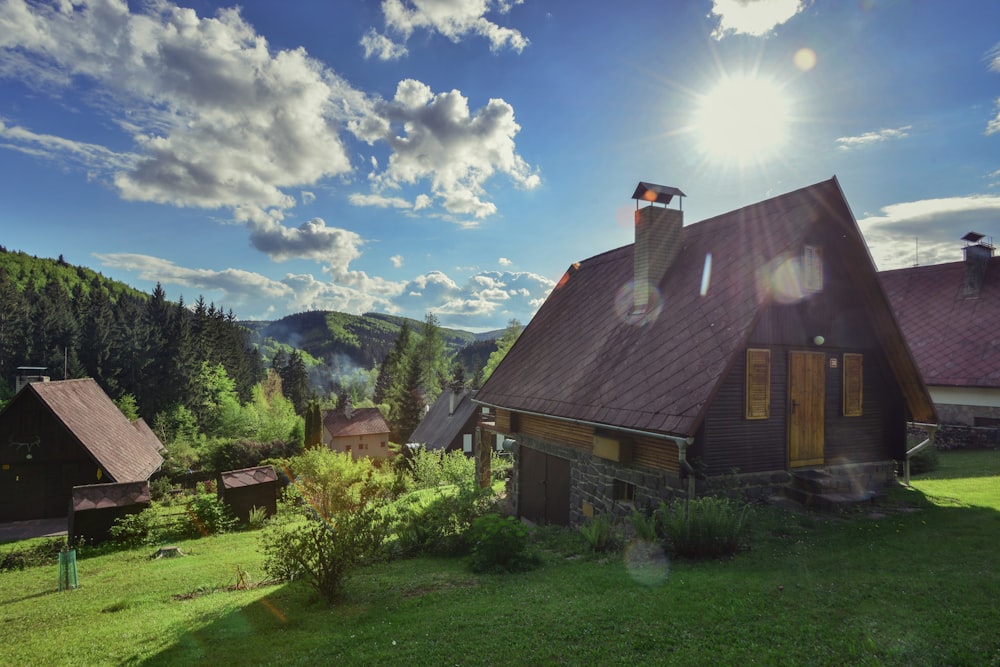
(973, 237)
(660, 194)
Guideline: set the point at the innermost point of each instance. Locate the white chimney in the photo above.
(978, 252)
(658, 240)
(348, 410)
(455, 398)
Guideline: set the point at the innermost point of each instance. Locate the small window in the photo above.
(812, 268)
(853, 382)
(758, 385)
(623, 491)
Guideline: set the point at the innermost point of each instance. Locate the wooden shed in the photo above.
(95, 508)
(242, 490)
(759, 341)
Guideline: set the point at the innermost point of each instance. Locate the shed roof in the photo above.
(955, 340)
(126, 452)
(581, 357)
(440, 426)
(363, 421)
(235, 479)
(103, 496)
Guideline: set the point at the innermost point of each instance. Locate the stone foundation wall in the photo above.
(956, 436)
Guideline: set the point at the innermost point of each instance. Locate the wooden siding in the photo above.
(505, 421)
(573, 435)
(655, 453)
(877, 434)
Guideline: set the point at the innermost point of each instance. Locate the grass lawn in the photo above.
(913, 581)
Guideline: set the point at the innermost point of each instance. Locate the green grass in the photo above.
(913, 582)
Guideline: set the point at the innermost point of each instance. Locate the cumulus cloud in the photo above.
(503, 261)
(311, 240)
(397, 261)
(453, 19)
(868, 138)
(752, 17)
(927, 231)
(435, 138)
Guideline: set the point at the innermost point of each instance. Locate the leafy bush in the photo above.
(133, 530)
(209, 515)
(322, 553)
(44, 552)
(500, 544)
(713, 526)
(644, 526)
(160, 488)
(239, 454)
(439, 526)
(334, 482)
(600, 533)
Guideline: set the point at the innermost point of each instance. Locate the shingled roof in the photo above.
(954, 339)
(440, 426)
(126, 452)
(581, 358)
(363, 421)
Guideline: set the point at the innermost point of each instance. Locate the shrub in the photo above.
(439, 526)
(713, 526)
(600, 533)
(133, 530)
(44, 552)
(209, 515)
(257, 517)
(160, 489)
(644, 526)
(322, 553)
(500, 545)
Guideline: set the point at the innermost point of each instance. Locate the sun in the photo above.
(742, 119)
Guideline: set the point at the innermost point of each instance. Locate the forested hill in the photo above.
(363, 339)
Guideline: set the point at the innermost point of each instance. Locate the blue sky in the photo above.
(455, 156)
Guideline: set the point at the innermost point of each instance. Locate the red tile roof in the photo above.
(125, 452)
(955, 340)
(581, 359)
(363, 421)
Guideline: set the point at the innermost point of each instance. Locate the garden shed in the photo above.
(242, 490)
(758, 342)
(96, 507)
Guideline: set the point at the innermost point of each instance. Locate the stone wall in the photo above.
(955, 436)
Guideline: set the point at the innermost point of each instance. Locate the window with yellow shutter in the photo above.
(758, 385)
(853, 382)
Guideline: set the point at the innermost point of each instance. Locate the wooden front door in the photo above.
(806, 394)
(543, 495)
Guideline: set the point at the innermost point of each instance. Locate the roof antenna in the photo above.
(916, 251)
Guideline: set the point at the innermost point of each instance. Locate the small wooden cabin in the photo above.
(58, 435)
(96, 507)
(758, 341)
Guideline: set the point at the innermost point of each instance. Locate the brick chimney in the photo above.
(658, 239)
(977, 259)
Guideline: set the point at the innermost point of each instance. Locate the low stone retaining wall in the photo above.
(958, 436)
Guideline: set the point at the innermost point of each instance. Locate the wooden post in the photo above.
(482, 454)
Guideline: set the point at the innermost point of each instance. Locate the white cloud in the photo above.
(503, 261)
(397, 261)
(885, 134)
(928, 231)
(753, 17)
(454, 19)
(311, 240)
(381, 47)
(379, 201)
(435, 138)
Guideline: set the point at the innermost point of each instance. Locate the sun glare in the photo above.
(742, 119)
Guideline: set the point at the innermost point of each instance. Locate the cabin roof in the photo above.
(438, 428)
(363, 421)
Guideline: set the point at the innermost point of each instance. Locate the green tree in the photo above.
(434, 358)
(507, 340)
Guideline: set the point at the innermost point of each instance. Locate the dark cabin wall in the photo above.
(732, 441)
(39, 487)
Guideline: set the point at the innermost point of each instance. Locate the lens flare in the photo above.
(646, 563)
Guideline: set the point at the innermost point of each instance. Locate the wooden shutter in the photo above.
(853, 382)
(758, 385)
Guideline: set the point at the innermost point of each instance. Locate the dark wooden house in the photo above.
(96, 507)
(450, 424)
(242, 490)
(758, 341)
(58, 435)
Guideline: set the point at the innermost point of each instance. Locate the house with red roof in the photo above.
(758, 342)
(55, 436)
(950, 315)
(361, 432)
